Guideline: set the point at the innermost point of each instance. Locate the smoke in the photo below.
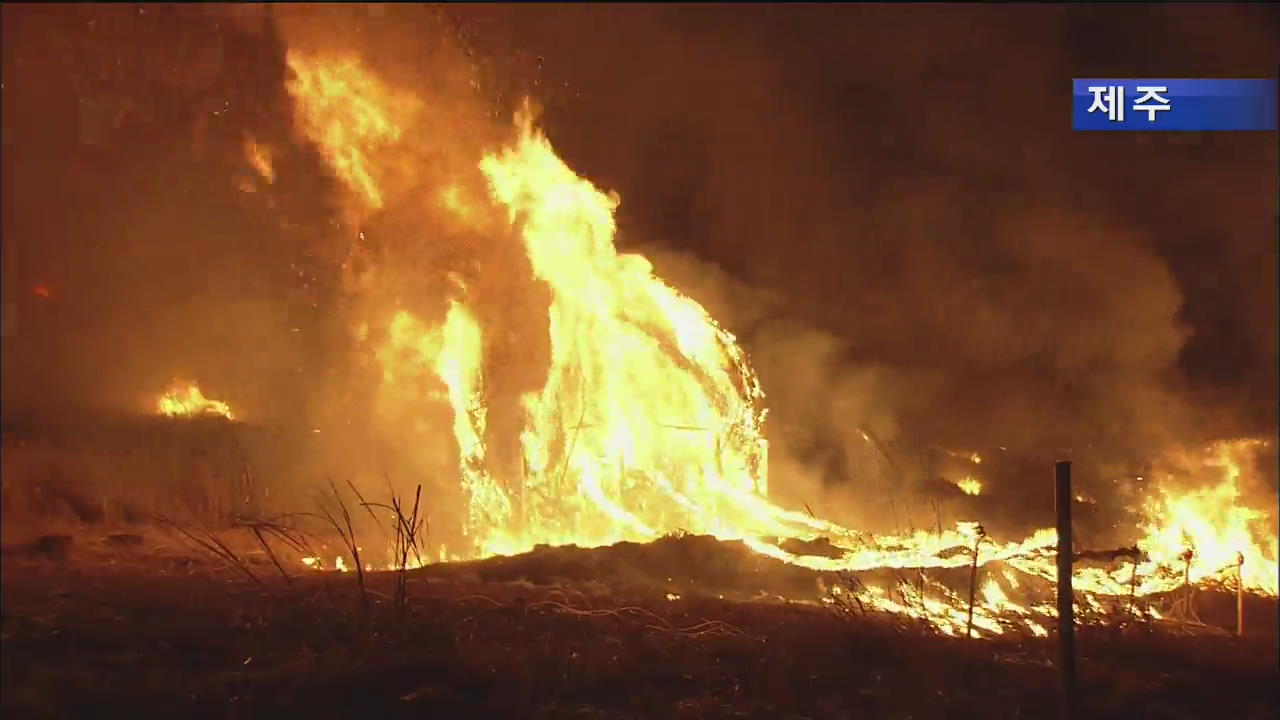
(886, 205)
(919, 244)
(123, 198)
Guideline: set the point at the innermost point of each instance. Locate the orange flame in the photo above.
(186, 400)
(651, 419)
(1212, 525)
(349, 114)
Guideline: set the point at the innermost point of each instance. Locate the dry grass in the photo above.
(553, 634)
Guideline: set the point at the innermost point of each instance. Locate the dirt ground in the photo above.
(136, 632)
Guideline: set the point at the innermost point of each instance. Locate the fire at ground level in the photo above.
(205, 477)
(461, 249)
(650, 418)
(143, 623)
(195, 615)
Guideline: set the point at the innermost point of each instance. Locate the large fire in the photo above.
(1212, 525)
(650, 420)
(184, 399)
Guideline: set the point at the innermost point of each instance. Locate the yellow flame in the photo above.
(452, 353)
(349, 114)
(650, 420)
(186, 400)
(1206, 530)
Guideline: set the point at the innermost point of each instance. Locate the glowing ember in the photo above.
(650, 419)
(972, 457)
(186, 400)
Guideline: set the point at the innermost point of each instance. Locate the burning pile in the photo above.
(185, 400)
(650, 420)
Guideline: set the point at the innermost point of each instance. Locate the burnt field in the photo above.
(145, 627)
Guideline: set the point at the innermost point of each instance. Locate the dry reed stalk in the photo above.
(213, 545)
(347, 532)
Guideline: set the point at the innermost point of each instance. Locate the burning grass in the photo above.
(682, 627)
(650, 419)
(184, 399)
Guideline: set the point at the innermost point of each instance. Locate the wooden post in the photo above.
(1239, 594)
(1133, 588)
(973, 578)
(1187, 556)
(1066, 598)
